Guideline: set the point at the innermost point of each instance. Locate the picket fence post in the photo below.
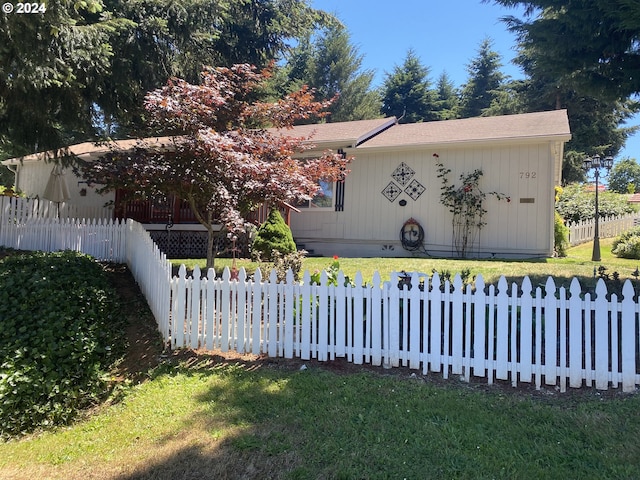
(575, 334)
(377, 316)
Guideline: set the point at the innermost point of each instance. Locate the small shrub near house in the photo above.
(274, 235)
(291, 261)
(560, 236)
(59, 334)
(627, 245)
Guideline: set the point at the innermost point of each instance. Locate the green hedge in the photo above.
(627, 245)
(60, 332)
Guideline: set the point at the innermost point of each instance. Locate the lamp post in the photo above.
(595, 163)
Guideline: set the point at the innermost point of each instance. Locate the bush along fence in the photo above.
(547, 335)
(582, 232)
(105, 240)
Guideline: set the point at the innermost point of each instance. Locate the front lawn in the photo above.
(212, 417)
(576, 264)
(207, 418)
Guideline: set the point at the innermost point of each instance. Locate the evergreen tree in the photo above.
(593, 44)
(406, 92)
(595, 122)
(80, 70)
(509, 99)
(484, 82)
(447, 99)
(51, 69)
(333, 66)
(274, 235)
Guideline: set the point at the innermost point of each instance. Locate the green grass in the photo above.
(207, 418)
(576, 264)
(236, 420)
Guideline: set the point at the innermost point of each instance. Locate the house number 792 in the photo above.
(527, 175)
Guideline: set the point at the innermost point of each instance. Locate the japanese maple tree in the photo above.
(220, 156)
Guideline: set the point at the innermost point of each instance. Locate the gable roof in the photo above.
(547, 125)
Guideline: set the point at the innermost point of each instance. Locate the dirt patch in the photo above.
(144, 342)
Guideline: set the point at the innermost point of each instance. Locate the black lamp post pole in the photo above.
(595, 255)
(595, 163)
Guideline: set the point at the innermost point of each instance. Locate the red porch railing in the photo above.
(173, 209)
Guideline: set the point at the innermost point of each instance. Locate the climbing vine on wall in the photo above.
(466, 203)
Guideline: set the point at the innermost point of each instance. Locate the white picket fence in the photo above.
(547, 335)
(584, 231)
(21, 209)
(102, 239)
(542, 336)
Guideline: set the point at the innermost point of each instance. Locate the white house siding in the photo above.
(33, 177)
(370, 224)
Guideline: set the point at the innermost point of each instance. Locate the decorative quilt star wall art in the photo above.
(415, 189)
(403, 174)
(391, 191)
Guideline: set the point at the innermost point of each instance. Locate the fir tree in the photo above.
(407, 93)
(484, 82)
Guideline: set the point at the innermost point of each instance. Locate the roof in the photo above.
(88, 150)
(480, 129)
(323, 135)
(635, 198)
(346, 134)
(382, 133)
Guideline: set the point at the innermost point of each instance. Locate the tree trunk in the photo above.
(211, 242)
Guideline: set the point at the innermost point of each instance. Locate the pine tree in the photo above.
(80, 70)
(333, 66)
(593, 44)
(596, 122)
(406, 92)
(485, 80)
(447, 99)
(274, 235)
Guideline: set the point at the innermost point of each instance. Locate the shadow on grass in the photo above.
(269, 419)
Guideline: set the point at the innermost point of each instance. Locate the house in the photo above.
(394, 180)
(393, 188)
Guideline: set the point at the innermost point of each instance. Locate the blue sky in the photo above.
(445, 34)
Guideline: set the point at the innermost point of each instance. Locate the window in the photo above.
(322, 199)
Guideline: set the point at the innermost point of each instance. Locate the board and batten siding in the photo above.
(33, 177)
(370, 224)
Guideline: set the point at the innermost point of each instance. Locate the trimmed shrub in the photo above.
(60, 332)
(291, 261)
(560, 236)
(627, 245)
(274, 235)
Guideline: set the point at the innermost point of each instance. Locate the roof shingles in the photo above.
(530, 125)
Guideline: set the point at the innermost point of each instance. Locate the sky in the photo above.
(444, 34)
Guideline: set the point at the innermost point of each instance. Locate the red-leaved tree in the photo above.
(219, 156)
